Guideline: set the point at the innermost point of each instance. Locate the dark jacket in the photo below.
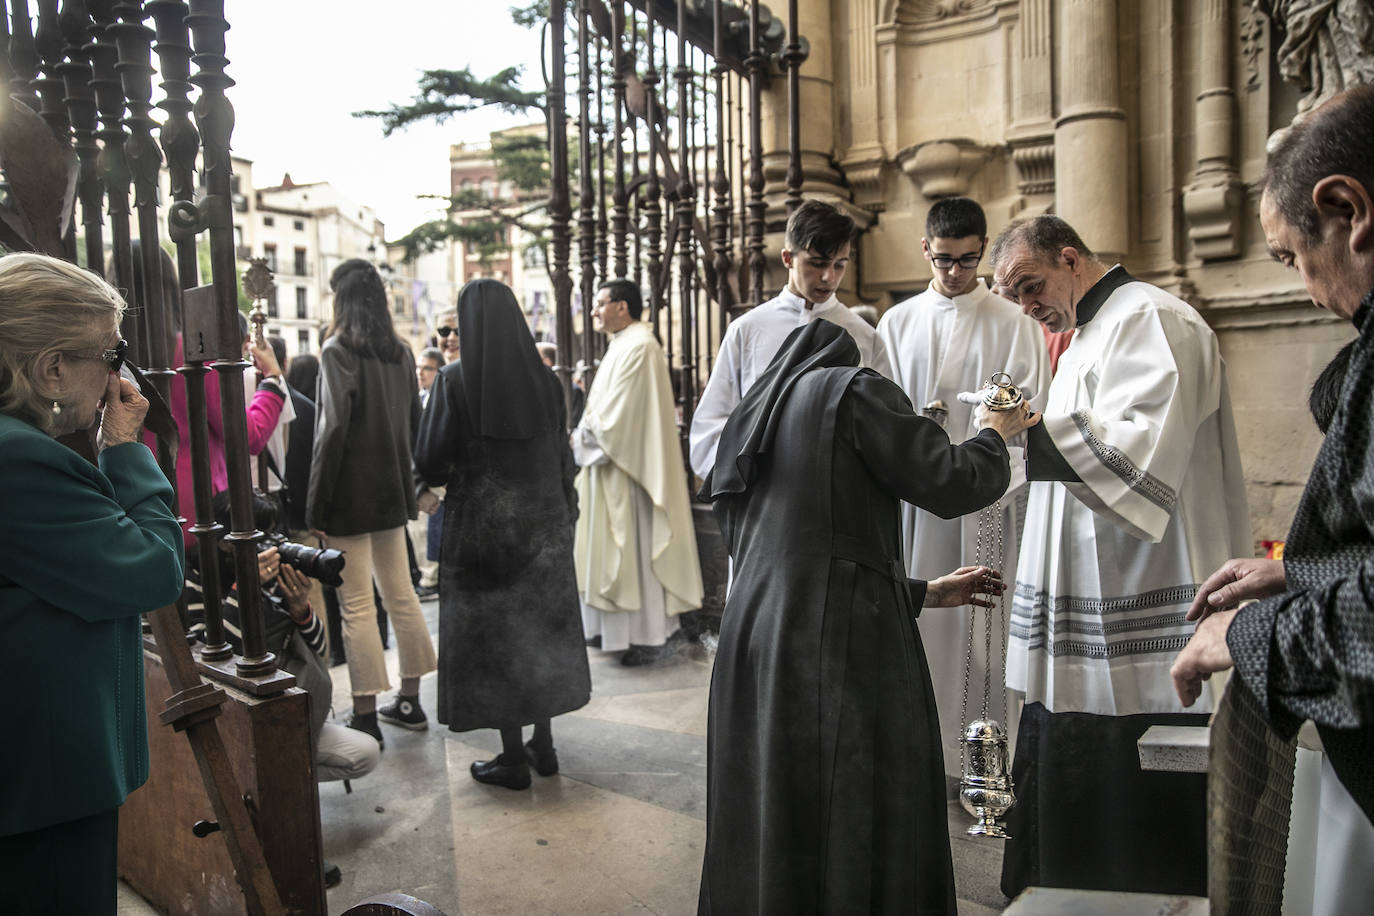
(1309, 653)
(361, 477)
(300, 446)
(83, 552)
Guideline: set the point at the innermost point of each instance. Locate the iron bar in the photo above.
(23, 56)
(586, 239)
(793, 57)
(721, 186)
(215, 119)
(134, 41)
(80, 98)
(560, 205)
(620, 218)
(652, 190)
(180, 141)
(757, 64)
(114, 165)
(602, 223)
(682, 209)
(51, 90)
(637, 258)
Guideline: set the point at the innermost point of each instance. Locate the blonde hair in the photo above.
(46, 305)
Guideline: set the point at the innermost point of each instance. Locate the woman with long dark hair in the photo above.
(510, 630)
(362, 491)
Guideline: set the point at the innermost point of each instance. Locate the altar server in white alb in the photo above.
(816, 254)
(950, 339)
(1136, 495)
(636, 549)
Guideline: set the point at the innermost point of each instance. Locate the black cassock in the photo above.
(511, 649)
(825, 778)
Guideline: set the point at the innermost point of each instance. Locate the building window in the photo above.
(269, 253)
(303, 346)
(269, 220)
(299, 225)
(400, 305)
(300, 302)
(272, 303)
(300, 262)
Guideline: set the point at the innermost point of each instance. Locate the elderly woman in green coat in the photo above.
(84, 550)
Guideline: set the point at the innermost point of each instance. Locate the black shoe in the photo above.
(426, 591)
(406, 713)
(332, 875)
(367, 724)
(545, 762)
(594, 642)
(497, 772)
(641, 655)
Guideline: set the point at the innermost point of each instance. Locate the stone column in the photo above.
(1212, 204)
(863, 161)
(1090, 142)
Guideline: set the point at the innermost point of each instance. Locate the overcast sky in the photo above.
(302, 68)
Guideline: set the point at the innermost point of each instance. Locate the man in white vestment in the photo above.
(1136, 495)
(816, 254)
(950, 339)
(636, 550)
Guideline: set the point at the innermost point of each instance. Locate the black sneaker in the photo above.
(367, 724)
(332, 875)
(406, 713)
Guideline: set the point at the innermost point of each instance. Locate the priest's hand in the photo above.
(964, 586)
(1007, 423)
(1205, 653)
(1238, 580)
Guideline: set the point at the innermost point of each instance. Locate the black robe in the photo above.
(825, 779)
(511, 649)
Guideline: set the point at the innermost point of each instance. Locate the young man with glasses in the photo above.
(816, 254)
(948, 339)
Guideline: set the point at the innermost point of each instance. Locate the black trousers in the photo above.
(64, 869)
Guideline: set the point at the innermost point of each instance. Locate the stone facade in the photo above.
(1141, 122)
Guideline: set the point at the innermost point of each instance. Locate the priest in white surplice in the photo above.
(949, 339)
(816, 254)
(1136, 495)
(636, 549)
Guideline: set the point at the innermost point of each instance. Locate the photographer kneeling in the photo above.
(293, 632)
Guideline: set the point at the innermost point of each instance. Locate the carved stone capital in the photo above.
(1214, 209)
(943, 168)
(863, 169)
(1034, 159)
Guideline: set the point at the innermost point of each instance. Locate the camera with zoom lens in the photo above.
(318, 563)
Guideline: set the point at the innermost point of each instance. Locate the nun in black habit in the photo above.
(494, 433)
(825, 784)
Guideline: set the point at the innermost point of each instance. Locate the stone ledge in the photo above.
(1176, 748)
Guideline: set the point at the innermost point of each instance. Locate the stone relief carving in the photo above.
(940, 10)
(1328, 45)
(1254, 29)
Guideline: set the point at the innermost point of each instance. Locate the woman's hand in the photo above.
(265, 358)
(122, 419)
(963, 586)
(428, 502)
(295, 591)
(1008, 423)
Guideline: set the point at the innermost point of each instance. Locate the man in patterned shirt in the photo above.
(1306, 649)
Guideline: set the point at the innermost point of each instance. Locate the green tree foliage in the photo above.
(443, 93)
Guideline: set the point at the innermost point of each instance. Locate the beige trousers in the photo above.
(380, 555)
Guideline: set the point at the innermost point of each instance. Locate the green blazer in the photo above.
(83, 552)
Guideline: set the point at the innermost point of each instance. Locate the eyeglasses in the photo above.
(115, 358)
(429, 368)
(601, 303)
(946, 261)
(445, 330)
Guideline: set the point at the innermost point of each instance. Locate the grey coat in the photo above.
(361, 473)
